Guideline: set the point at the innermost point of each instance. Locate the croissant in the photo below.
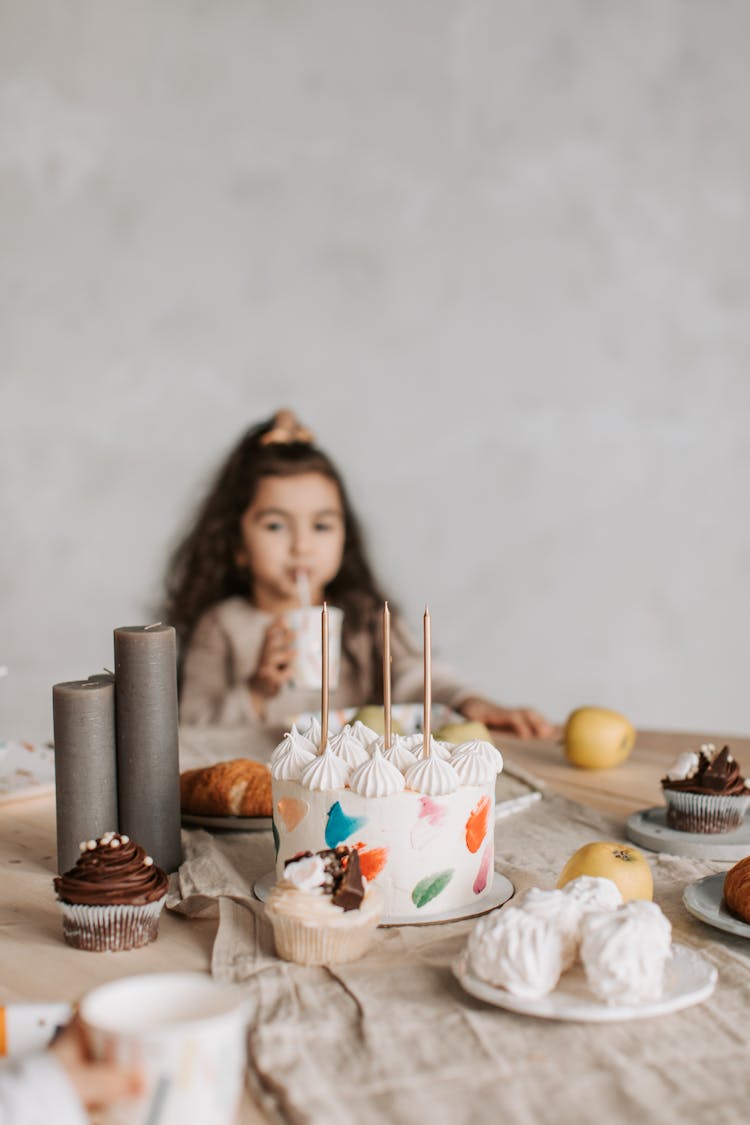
(737, 889)
(237, 788)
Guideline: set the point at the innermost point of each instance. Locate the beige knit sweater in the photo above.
(224, 650)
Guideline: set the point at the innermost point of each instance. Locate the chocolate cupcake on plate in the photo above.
(705, 791)
(112, 898)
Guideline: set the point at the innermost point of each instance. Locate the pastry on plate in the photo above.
(737, 889)
(239, 787)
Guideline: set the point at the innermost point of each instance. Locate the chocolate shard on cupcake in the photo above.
(322, 910)
(705, 791)
(111, 899)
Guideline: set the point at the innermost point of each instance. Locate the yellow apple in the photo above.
(625, 866)
(462, 732)
(597, 739)
(374, 718)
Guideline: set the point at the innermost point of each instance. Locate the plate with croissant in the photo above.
(229, 796)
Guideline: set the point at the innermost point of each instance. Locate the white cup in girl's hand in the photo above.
(185, 1033)
(308, 645)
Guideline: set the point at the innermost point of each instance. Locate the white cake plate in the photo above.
(649, 828)
(688, 979)
(502, 889)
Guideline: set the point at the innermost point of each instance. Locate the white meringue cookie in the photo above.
(325, 772)
(291, 759)
(306, 874)
(362, 733)
(685, 765)
(473, 769)
(442, 750)
(624, 952)
(593, 892)
(345, 746)
(312, 731)
(562, 911)
(376, 777)
(292, 741)
(482, 749)
(432, 776)
(399, 754)
(517, 951)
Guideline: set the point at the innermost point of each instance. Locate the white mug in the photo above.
(187, 1035)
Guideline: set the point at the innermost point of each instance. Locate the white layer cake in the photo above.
(423, 826)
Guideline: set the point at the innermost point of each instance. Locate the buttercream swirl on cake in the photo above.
(482, 749)
(112, 871)
(290, 760)
(362, 733)
(345, 746)
(326, 771)
(473, 769)
(432, 776)
(377, 777)
(292, 740)
(399, 755)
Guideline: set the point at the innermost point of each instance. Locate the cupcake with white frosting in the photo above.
(322, 911)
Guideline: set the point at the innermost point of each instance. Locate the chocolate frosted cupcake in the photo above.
(705, 791)
(112, 898)
(322, 910)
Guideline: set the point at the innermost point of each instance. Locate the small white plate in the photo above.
(705, 899)
(502, 889)
(688, 980)
(228, 823)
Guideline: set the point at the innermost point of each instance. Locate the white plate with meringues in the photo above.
(704, 899)
(688, 979)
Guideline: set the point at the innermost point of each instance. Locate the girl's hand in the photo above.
(520, 721)
(275, 660)
(98, 1084)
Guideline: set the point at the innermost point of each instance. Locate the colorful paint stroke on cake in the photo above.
(476, 825)
(480, 883)
(429, 820)
(292, 811)
(432, 811)
(276, 840)
(340, 827)
(371, 860)
(430, 887)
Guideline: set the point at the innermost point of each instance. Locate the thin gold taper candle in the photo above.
(324, 678)
(387, 674)
(427, 681)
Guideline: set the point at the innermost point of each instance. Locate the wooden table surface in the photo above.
(36, 965)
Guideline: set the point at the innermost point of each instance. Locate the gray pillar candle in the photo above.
(148, 771)
(83, 713)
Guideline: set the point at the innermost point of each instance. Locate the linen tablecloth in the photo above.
(394, 1038)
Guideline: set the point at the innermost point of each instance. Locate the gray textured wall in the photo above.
(496, 254)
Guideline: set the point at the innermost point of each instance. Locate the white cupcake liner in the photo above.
(704, 812)
(318, 944)
(99, 929)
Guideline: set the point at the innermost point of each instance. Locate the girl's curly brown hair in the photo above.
(203, 569)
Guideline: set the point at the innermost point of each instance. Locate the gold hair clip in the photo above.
(286, 429)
